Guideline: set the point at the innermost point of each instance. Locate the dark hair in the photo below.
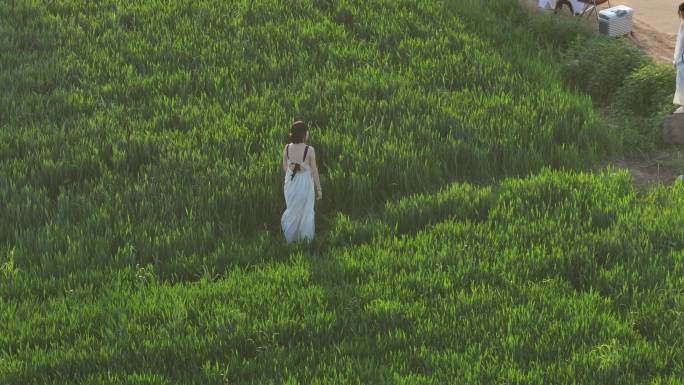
(297, 132)
(681, 10)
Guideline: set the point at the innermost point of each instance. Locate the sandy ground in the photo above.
(656, 25)
(659, 45)
(659, 15)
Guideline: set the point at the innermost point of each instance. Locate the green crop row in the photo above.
(560, 277)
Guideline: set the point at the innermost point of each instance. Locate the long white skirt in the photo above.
(577, 6)
(679, 92)
(298, 219)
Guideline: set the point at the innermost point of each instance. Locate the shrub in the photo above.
(647, 90)
(599, 66)
(558, 32)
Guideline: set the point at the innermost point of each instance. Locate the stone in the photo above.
(673, 129)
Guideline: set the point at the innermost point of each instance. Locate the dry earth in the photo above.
(662, 167)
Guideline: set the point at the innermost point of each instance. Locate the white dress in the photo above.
(298, 219)
(547, 4)
(577, 6)
(679, 63)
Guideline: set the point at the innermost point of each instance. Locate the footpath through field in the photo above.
(656, 26)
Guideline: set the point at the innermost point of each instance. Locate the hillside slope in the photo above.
(141, 187)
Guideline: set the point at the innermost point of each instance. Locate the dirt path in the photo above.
(658, 45)
(662, 167)
(655, 25)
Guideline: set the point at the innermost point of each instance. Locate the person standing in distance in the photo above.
(302, 185)
(679, 62)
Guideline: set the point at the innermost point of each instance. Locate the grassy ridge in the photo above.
(537, 285)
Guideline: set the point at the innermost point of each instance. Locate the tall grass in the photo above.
(401, 97)
(555, 278)
(141, 187)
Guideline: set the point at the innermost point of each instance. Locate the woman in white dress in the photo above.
(679, 63)
(301, 179)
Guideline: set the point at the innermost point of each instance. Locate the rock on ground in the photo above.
(673, 129)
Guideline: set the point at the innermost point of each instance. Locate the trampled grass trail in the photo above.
(140, 181)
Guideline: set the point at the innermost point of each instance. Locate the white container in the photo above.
(616, 21)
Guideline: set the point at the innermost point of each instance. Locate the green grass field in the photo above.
(458, 241)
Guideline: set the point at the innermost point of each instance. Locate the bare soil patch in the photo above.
(662, 167)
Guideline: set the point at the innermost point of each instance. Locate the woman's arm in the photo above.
(285, 159)
(676, 50)
(314, 173)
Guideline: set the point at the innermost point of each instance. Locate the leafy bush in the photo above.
(641, 105)
(599, 65)
(647, 90)
(639, 135)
